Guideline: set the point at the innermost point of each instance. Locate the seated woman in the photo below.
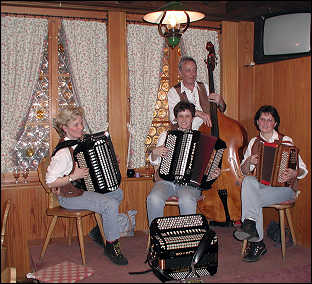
(62, 171)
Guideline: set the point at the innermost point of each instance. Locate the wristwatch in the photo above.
(69, 178)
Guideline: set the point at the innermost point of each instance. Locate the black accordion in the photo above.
(192, 158)
(96, 152)
(182, 247)
(274, 158)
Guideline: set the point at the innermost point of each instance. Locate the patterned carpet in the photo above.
(231, 269)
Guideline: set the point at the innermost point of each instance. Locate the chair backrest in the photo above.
(8, 275)
(42, 170)
(4, 220)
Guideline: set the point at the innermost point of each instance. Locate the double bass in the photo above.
(222, 202)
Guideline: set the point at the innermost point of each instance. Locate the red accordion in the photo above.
(274, 158)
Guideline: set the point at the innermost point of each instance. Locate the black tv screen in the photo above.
(282, 36)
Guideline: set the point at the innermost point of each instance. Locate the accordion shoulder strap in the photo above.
(64, 144)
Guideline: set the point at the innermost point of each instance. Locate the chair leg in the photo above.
(244, 247)
(291, 227)
(282, 224)
(49, 234)
(70, 231)
(148, 241)
(98, 219)
(81, 241)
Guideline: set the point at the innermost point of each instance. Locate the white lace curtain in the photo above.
(86, 43)
(193, 43)
(145, 51)
(21, 52)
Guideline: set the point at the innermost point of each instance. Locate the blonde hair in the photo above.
(65, 115)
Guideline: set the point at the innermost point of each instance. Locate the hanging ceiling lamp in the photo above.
(171, 16)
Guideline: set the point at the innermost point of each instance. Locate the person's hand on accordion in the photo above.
(79, 173)
(160, 151)
(216, 173)
(288, 174)
(253, 159)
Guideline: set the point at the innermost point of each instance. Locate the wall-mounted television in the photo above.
(282, 36)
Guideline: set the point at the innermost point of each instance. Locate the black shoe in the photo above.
(112, 250)
(248, 248)
(247, 231)
(256, 250)
(96, 236)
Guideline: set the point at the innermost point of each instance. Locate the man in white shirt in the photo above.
(194, 92)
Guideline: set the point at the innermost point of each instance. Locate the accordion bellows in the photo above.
(96, 152)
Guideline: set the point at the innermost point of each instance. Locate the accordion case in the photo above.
(192, 158)
(96, 152)
(274, 158)
(182, 247)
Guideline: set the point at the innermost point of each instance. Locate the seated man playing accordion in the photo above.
(163, 189)
(258, 193)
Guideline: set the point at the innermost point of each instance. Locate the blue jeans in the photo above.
(256, 195)
(162, 190)
(106, 205)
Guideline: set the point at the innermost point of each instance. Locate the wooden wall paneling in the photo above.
(117, 86)
(136, 191)
(287, 86)
(229, 63)
(295, 122)
(58, 12)
(245, 74)
(24, 223)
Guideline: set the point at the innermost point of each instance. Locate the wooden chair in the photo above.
(5, 220)
(282, 208)
(4, 248)
(55, 210)
(8, 275)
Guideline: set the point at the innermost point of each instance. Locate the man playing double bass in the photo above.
(194, 92)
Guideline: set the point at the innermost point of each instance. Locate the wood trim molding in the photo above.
(117, 86)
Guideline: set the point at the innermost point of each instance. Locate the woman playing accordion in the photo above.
(258, 189)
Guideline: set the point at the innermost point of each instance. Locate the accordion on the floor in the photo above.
(192, 158)
(182, 247)
(274, 158)
(96, 152)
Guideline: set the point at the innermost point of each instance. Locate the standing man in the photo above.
(194, 92)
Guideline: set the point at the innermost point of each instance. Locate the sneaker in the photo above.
(254, 253)
(247, 231)
(96, 236)
(113, 252)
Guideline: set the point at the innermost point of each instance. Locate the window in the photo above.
(161, 121)
(33, 143)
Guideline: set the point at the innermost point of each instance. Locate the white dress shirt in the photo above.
(161, 141)
(192, 96)
(61, 164)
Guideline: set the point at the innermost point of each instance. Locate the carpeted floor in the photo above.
(231, 269)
